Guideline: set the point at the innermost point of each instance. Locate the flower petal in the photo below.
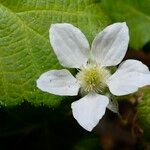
(130, 76)
(110, 45)
(89, 110)
(70, 45)
(58, 82)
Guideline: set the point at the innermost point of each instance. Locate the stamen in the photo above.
(93, 78)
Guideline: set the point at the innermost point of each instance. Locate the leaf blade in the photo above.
(25, 51)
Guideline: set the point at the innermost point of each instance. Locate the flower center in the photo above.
(93, 78)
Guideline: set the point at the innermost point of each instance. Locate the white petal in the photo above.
(130, 76)
(70, 45)
(110, 45)
(58, 82)
(89, 110)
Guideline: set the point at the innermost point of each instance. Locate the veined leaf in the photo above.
(25, 51)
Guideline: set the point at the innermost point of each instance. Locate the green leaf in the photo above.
(144, 112)
(137, 15)
(25, 51)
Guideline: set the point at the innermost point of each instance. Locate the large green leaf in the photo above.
(144, 112)
(25, 51)
(137, 15)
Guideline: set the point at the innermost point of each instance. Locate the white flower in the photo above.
(94, 78)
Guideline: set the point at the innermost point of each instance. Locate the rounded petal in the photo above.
(110, 45)
(58, 82)
(130, 76)
(89, 110)
(69, 44)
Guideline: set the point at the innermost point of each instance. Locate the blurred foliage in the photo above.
(144, 112)
(137, 15)
(88, 143)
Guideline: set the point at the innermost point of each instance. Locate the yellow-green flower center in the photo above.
(93, 78)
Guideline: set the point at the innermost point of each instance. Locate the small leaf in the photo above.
(113, 106)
